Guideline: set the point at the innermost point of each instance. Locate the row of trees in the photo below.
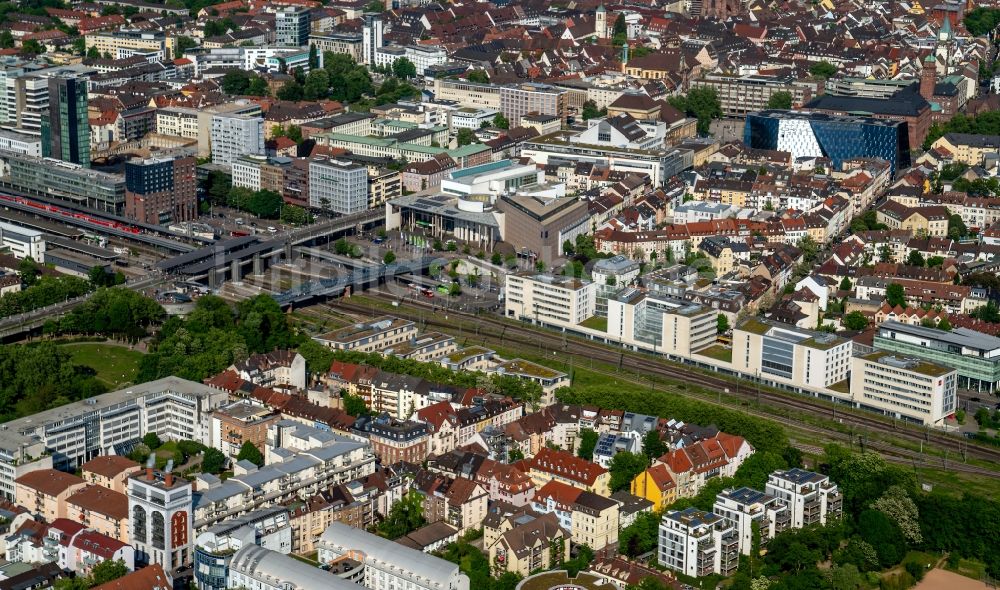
(987, 123)
(110, 312)
(43, 291)
(702, 103)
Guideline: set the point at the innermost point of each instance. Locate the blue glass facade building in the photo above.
(809, 134)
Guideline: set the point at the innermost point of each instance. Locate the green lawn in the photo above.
(596, 323)
(970, 568)
(116, 366)
(718, 352)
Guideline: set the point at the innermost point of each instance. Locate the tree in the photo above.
(590, 111)
(845, 284)
(93, 53)
(389, 257)
(313, 57)
(956, 227)
(317, 85)
(404, 69)
(885, 535)
(721, 323)
(895, 295)
(624, 467)
(496, 259)
(855, 321)
(213, 461)
(900, 508)
(32, 47)
(823, 69)
(290, 90)
(501, 122)
(354, 404)
(405, 516)
(540, 266)
(258, 87)
(6, 39)
(182, 44)
(152, 441)
(702, 103)
(641, 536)
(780, 100)
(236, 81)
(588, 442)
(981, 21)
(28, 269)
(915, 259)
(944, 325)
(478, 76)
(465, 136)
(653, 446)
(619, 34)
(250, 452)
(987, 313)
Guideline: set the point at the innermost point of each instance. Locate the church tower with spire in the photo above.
(601, 22)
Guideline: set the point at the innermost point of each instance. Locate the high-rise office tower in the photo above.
(292, 25)
(371, 38)
(65, 126)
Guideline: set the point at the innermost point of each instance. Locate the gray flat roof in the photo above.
(11, 436)
(277, 570)
(958, 336)
(433, 569)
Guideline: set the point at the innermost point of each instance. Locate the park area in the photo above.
(116, 365)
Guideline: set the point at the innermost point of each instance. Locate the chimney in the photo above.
(149, 467)
(168, 474)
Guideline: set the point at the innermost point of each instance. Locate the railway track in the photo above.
(489, 329)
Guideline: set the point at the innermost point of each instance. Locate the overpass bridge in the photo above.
(232, 259)
(360, 276)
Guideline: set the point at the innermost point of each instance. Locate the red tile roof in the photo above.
(567, 465)
(49, 481)
(148, 578)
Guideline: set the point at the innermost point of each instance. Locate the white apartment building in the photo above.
(67, 436)
(300, 461)
(494, 178)
(811, 497)
(235, 135)
(338, 185)
(549, 299)
(744, 506)
(904, 387)
(389, 565)
(28, 100)
(122, 44)
(21, 143)
(791, 356)
(177, 121)
(662, 324)
(472, 117)
(246, 171)
(697, 543)
(263, 569)
(422, 56)
(22, 241)
(468, 94)
(373, 336)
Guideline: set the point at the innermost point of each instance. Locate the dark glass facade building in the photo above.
(66, 126)
(810, 134)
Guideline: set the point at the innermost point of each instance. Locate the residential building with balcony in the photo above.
(300, 460)
(238, 423)
(370, 336)
(591, 519)
(697, 543)
(68, 436)
(522, 543)
(394, 441)
(268, 528)
(100, 509)
(110, 471)
(745, 506)
(43, 492)
(548, 465)
(389, 565)
(811, 497)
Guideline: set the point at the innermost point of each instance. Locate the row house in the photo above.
(955, 299)
(522, 543)
(693, 465)
(549, 464)
(352, 504)
(458, 501)
(592, 520)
